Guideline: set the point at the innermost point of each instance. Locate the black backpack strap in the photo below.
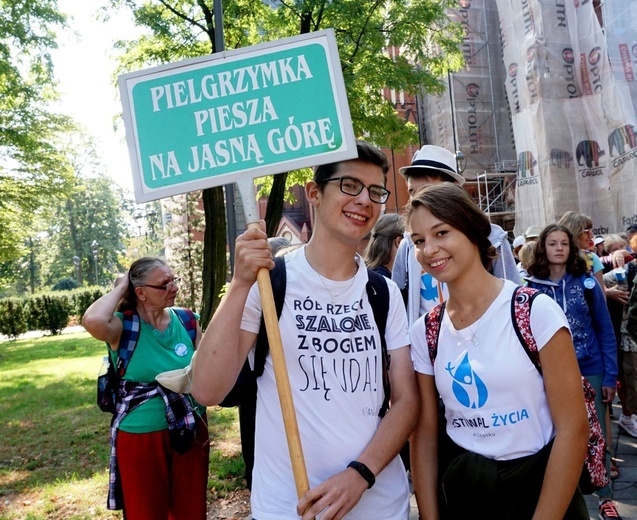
(521, 302)
(378, 296)
(278, 279)
(433, 320)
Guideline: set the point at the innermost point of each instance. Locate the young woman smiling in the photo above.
(529, 466)
(559, 271)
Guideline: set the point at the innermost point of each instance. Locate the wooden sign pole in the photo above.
(246, 188)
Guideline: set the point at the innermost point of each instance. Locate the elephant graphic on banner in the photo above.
(590, 152)
(622, 139)
(561, 158)
(526, 163)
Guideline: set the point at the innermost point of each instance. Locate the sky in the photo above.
(84, 70)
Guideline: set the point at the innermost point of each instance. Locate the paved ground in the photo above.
(38, 333)
(624, 449)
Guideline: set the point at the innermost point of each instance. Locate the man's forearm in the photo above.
(219, 355)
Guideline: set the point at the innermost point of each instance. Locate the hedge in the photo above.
(50, 311)
(13, 321)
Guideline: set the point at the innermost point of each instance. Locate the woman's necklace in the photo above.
(474, 338)
(333, 296)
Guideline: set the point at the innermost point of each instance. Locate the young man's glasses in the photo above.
(351, 186)
(173, 284)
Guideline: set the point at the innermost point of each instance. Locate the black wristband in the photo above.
(364, 472)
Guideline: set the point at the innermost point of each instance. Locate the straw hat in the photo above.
(431, 157)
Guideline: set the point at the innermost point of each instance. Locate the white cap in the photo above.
(519, 241)
(431, 157)
(598, 240)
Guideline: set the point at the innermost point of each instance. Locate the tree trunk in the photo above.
(214, 259)
(77, 244)
(274, 209)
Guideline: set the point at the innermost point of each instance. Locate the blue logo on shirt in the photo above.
(469, 389)
(428, 291)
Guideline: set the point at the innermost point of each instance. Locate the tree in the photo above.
(32, 168)
(186, 252)
(365, 30)
(93, 211)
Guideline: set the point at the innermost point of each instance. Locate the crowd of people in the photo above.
(481, 427)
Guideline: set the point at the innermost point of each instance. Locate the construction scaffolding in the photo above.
(546, 89)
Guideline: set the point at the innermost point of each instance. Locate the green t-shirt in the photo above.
(156, 352)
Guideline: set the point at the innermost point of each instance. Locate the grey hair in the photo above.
(614, 240)
(141, 269)
(138, 274)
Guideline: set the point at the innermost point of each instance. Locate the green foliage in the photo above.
(81, 299)
(65, 284)
(301, 177)
(48, 312)
(369, 34)
(12, 318)
(33, 166)
(91, 211)
(186, 259)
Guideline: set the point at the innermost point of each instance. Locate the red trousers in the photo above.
(157, 482)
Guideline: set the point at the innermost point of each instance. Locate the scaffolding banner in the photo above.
(477, 125)
(565, 88)
(574, 125)
(520, 31)
(438, 120)
(588, 129)
(528, 187)
(556, 159)
(621, 125)
(620, 21)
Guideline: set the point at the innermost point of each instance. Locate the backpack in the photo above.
(245, 387)
(108, 382)
(594, 475)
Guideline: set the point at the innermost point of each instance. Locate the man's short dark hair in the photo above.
(430, 175)
(366, 153)
(632, 228)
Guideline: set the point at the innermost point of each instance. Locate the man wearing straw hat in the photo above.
(332, 348)
(432, 165)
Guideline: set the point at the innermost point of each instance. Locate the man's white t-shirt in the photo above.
(333, 356)
(495, 402)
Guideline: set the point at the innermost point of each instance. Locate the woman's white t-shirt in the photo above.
(495, 402)
(332, 352)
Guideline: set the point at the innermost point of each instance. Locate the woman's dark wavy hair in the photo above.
(539, 267)
(138, 274)
(454, 206)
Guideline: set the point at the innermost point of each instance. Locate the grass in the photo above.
(54, 445)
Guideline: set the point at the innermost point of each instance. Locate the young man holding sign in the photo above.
(333, 351)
